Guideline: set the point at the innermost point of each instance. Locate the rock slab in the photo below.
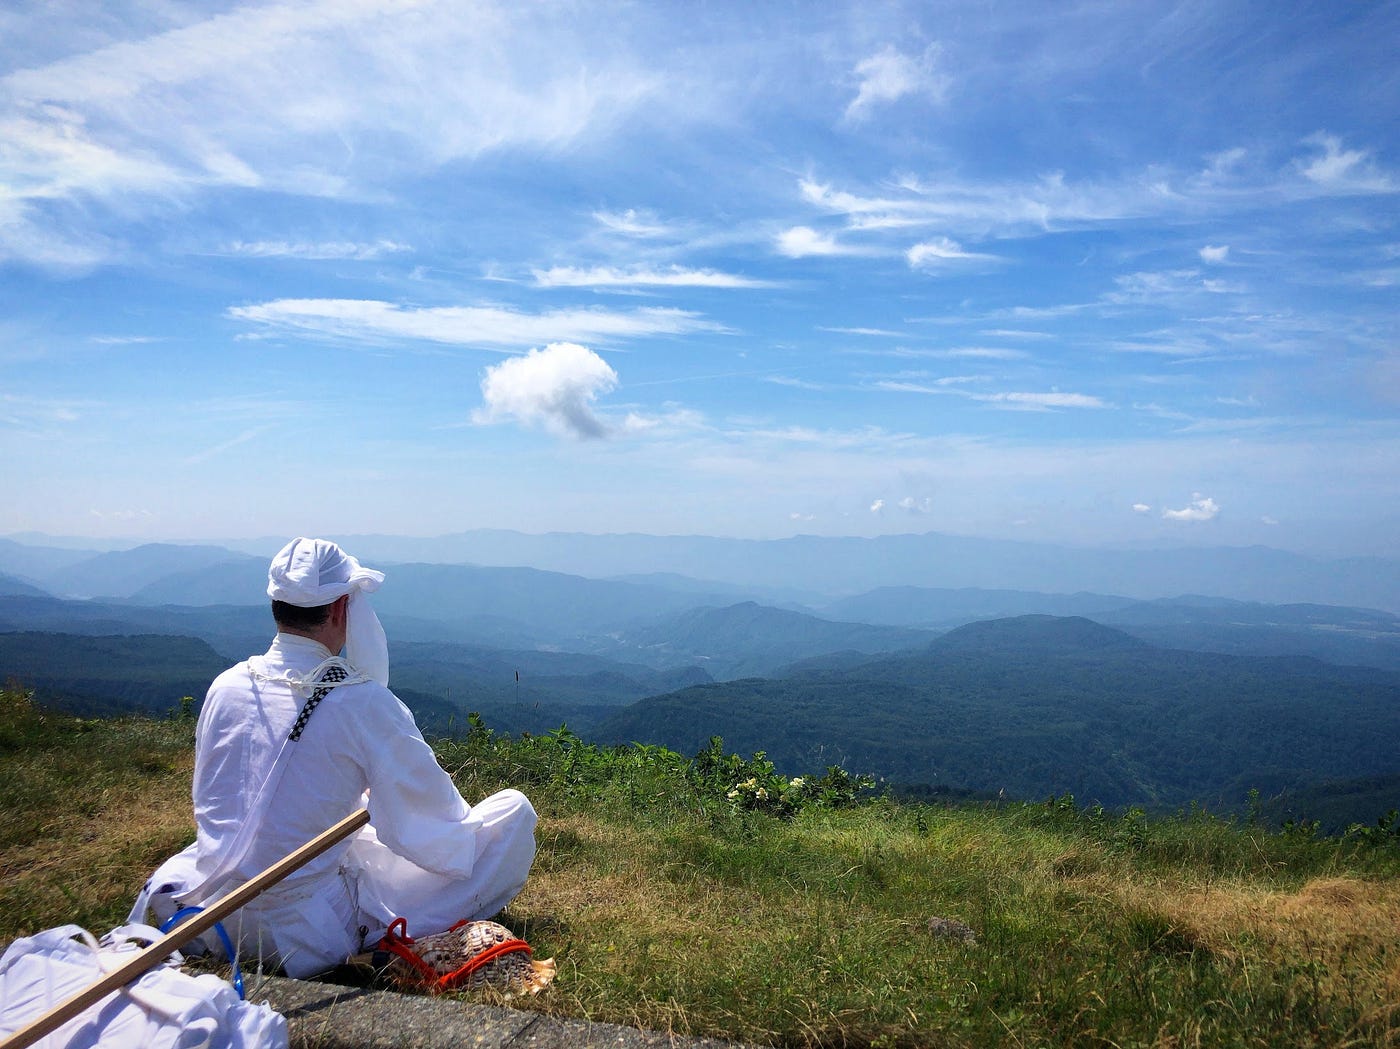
(331, 1016)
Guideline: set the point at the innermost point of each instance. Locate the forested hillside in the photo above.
(1040, 705)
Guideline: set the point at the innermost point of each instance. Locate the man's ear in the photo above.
(340, 610)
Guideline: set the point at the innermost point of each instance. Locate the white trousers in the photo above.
(313, 927)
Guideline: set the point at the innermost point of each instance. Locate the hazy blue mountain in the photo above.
(1357, 636)
(840, 566)
(848, 565)
(237, 579)
(782, 597)
(1354, 636)
(1039, 705)
(121, 573)
(13, 586)
(943, 608)
(524, 691)
(752, 640)
(233, 631)
(109, 675)
(33, 562)
(519, 607)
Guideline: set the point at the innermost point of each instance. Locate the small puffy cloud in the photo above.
(553, 388)
(1211, 253)
(915, 506)
(1202, 508)
(1266, 519)
(877, 506)
(889, 75)
(1141, 508)
(802, 241)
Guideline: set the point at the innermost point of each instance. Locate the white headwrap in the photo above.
(313, 572)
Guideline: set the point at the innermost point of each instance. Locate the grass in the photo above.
(710, 896)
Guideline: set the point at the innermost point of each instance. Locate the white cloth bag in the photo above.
(164, 1008)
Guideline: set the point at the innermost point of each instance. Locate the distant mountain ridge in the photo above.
(849, 565)
(1023, 689)
(752, 640)
(1037, 705)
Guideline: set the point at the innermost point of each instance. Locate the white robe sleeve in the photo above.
(415, 808)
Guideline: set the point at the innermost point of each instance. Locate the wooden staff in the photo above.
(176, 938)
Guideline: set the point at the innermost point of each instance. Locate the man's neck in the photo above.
(318, 636)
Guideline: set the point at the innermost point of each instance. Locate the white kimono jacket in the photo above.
(426, 856)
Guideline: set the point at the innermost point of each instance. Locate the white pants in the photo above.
(312, 927)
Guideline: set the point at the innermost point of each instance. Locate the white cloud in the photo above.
(1141, 508)
(672, 277)
(889, 75)
(632, 223)
(802, 241)
(375, 321)
(1211, 253)
(796, 384)
(860, 331)
(335, 249)
(1202, 508)
(933, 253)
(553, 388)
(916, 506)
(329, 98)
(1344, 170)
(1041, 401)
(877, 506)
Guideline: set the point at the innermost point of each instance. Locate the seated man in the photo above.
(287, 744)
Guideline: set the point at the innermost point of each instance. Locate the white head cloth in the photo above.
(313, 572)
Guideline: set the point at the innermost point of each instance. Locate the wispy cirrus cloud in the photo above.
(258, 97)
(1053, 202)
(1011, 400)
(496, 327)
(1341, 170)
(891, 74)
(942, 252)
(642, 277)
(633, 223)
(356, 251)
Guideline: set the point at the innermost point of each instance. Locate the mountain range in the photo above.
(1112, 696)
(1038, 705)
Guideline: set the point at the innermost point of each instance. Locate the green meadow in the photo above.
(709, 895)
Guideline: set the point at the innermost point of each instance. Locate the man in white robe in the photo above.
(275, 766)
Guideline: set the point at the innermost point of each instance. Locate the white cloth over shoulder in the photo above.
(427, 855)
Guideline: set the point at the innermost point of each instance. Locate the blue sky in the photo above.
(1091, 273)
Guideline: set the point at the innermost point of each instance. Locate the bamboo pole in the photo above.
(182, 934)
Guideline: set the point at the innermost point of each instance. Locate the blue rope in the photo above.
(183, 913)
